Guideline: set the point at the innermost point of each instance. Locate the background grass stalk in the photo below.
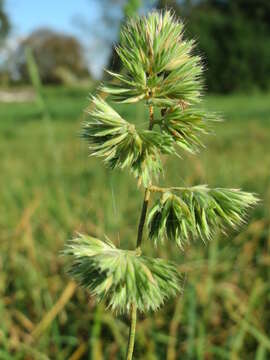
(132, 331)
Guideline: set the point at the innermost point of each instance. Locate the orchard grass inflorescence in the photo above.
(160, 69)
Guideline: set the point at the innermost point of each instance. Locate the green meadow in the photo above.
(50, 189)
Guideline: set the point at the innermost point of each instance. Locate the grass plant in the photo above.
(161, 71)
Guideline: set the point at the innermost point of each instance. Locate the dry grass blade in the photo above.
(171, 350)
(58, 306)
(26, 216)
(23, 320)
(79, 352)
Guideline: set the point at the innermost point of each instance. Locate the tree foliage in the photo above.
(53, 53)
(236, 49)
(233, 37)
(4, 22)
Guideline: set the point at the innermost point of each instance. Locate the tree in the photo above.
(235, 44)
(4, 22)
(53, 52)
(234, 38)
(255, 11)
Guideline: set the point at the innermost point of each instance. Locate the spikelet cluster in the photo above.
(197, 212)
(159, 63)
(161, 70)
(121, 145)
(121, 277)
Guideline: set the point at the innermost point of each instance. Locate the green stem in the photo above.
(133, 312)
(153, 188)
(151, 114)
(147, 190)
(142, 217)
(95, 334)
(132, 331)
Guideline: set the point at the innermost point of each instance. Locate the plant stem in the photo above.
(147, 190)
(133, 312)
(151, 114)
(153, 188)
(142, 217)
(132, 330)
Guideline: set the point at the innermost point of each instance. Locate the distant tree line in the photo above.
(58, 57)
(4, 22)
(234, 38)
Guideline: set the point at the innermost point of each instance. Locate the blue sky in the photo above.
(27, 15)
(60, 15)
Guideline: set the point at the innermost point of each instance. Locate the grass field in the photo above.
(50, 188)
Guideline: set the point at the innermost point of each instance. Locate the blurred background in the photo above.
(52, 56)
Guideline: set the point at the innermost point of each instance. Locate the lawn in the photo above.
(50, 189)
